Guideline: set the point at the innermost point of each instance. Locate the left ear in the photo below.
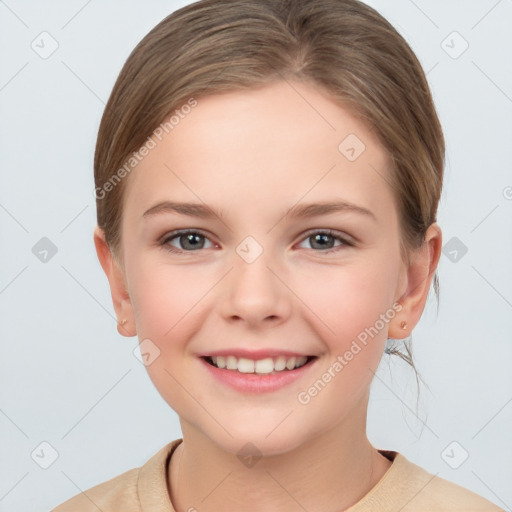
(418, 278)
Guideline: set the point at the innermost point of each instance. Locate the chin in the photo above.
(254, 440)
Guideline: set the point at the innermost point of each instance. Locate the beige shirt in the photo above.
(405, 487)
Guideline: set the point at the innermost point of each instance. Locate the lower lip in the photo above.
(257, 383)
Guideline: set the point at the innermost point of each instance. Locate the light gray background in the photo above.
(69, 379)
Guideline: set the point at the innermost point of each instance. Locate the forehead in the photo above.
(276, 143)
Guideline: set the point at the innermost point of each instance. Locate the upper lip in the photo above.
(254, 354)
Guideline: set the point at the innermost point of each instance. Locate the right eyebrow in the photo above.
(191, 209)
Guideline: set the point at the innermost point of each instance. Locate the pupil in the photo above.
(190, 239)
(318, 238)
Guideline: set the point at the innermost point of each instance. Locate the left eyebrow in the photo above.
(316, 209)
(298, 211)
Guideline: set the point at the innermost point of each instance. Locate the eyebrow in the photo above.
(203, 211)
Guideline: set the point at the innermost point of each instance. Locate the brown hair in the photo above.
(344, 47)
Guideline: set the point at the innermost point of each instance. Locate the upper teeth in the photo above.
(267, 365)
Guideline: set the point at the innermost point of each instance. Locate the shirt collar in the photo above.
(152, 481)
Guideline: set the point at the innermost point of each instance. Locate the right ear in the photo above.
(116, 279)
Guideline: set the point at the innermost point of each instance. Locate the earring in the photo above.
(123, 321)
(403, 325)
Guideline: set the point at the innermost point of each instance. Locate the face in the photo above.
(256, 278)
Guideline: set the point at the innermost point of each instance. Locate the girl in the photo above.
(267, 180)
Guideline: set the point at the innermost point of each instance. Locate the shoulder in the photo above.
(142, 488)
(410, 488)
(119, 492)
(446, 495)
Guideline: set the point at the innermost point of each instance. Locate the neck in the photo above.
(330, 472)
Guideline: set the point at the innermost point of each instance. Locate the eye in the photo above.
(189, 241)
(324, 240)
(194, 240)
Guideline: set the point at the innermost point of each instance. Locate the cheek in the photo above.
(165, 298)
(167, 301)
(351, 309)
(347, 299)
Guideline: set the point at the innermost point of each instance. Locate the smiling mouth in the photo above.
(262, 366)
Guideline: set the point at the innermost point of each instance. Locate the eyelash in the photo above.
(175, 234)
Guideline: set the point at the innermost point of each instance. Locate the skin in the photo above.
(253, 155)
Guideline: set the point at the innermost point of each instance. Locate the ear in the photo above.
(115, 275)
(416, 281)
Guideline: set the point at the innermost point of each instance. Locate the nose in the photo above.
(255, 293)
